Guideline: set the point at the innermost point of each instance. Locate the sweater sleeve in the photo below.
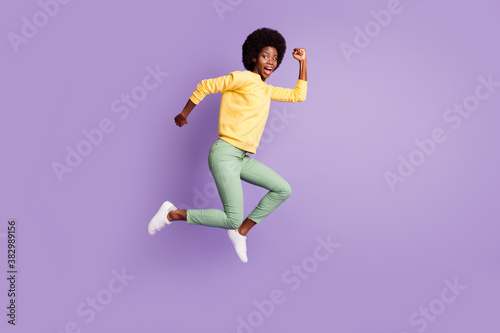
(290, 95)
(232, 81)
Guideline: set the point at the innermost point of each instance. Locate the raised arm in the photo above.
(299, 93)
(300, 55)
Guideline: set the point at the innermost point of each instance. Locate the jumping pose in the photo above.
(244, 109)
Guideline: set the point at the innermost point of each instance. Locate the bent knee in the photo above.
(233, 221)
(285, 190)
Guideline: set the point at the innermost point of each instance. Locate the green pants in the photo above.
(229, 165)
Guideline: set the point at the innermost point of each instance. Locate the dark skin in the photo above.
(265, 64)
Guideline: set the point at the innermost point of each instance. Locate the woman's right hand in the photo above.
(180, 120)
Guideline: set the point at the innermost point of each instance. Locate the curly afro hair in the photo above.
(259, 39)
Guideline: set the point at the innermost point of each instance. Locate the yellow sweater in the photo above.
(245, 105)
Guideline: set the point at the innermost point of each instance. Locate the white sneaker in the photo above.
(160, 220)
(240, 244)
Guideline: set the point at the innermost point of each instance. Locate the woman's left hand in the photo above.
(299, 54)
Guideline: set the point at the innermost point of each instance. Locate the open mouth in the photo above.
(268, 70)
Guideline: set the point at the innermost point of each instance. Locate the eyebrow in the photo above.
(270, 53)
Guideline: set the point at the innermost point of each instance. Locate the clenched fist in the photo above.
(299, 54)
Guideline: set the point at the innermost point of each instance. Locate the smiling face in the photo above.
(266, 62)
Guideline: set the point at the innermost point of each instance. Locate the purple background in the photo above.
(397, 247)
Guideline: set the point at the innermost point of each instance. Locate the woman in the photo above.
(243, 113)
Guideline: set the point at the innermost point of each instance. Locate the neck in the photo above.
(256, 72)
